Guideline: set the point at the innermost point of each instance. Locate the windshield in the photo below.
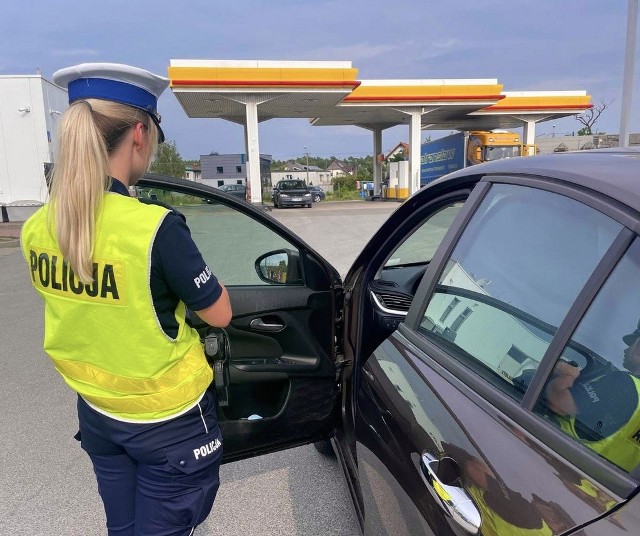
(501, 151)
(291, 185)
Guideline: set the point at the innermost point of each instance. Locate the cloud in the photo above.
(445, 45)
(73, 52)
(354, 52)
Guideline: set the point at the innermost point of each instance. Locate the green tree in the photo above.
(168, 161)
(277, 165)
(584, 132)
(362, 166)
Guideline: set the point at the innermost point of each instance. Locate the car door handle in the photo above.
(454, 500)
(259, 325)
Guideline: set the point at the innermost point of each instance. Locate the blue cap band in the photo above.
(113, 90)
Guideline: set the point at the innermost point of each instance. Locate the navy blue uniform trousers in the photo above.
(156, 479)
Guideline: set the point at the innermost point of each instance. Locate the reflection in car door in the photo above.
(443, 442)
(281, 361)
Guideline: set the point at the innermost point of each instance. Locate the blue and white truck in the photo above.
(448, 154)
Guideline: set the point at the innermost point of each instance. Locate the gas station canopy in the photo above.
(329, 94)
(283, 89)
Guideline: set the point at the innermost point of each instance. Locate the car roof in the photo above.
(615, 172)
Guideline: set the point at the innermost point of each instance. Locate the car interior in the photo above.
(394, 285)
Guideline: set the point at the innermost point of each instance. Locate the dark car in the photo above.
(436, 365)
(317, 193)
(236, 190)
(291, 193)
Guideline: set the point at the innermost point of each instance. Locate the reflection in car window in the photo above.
(230, 242)
(597, 403)
(421, 245)
(516, 270)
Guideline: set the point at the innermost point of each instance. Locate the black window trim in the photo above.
(482, 391)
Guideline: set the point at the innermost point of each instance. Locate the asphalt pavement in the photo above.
(47, 485)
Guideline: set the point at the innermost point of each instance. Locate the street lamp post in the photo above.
(307, 154)
(629, 59)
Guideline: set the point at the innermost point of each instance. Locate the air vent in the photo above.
(394, 302)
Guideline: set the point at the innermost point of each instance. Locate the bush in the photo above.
(344, 183)
(343, 195)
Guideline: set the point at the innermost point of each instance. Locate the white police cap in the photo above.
(114, 82)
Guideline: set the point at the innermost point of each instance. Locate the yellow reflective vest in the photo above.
(104, 337)
(623, 446)
(495, 525)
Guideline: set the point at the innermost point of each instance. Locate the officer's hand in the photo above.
(566, 372)
(557, 392)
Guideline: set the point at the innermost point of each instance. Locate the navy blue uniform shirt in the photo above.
(176, 264)
(605, 404)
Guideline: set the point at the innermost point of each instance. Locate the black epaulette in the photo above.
(162, 204)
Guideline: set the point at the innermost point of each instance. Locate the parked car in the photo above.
(290, 193)
(433, 367)
(317, 193)
(237, 190)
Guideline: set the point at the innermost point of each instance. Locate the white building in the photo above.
(193, 172)
(30, 109)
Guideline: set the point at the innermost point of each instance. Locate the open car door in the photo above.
(279, 371)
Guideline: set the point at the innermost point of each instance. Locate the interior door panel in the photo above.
(281, 361)
(281, 368)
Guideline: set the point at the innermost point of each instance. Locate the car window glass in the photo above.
(292, 185)
(592, 393)
(517, 268)
(229, 241)
(421, 244)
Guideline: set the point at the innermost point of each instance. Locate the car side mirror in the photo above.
(280, 267)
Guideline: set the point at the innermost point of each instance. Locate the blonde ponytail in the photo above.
(89, 132)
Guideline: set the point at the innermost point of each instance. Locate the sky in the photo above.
(527, 46)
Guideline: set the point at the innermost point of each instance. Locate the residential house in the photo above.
(338, 168)
(192, 172)
(402, 149)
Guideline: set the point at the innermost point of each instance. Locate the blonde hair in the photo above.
(90, 131)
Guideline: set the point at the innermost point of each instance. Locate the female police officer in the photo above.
(116, 276)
